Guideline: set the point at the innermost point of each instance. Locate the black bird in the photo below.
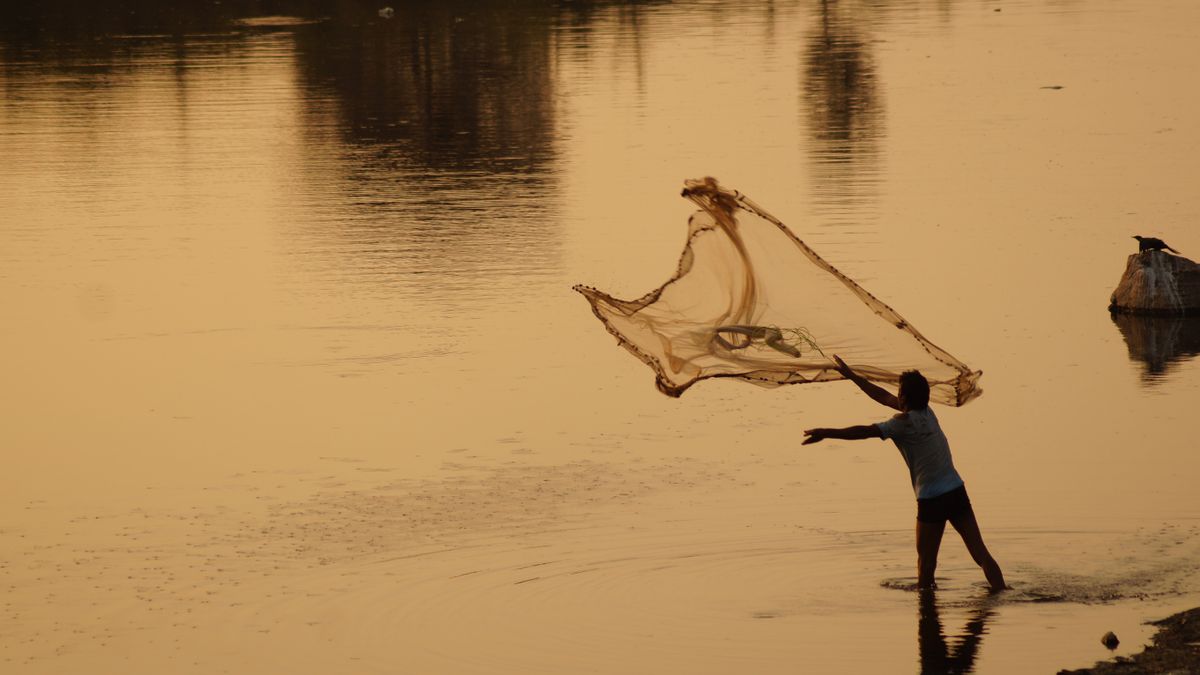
(1152, 243)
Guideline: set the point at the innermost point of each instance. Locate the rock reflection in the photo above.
(958, 655)
(1159, 343)
(844, 106)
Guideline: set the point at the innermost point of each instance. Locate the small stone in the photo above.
(1110, 640)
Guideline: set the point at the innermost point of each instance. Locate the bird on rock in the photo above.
(1152, 243)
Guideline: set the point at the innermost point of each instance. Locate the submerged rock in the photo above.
(1156, 282)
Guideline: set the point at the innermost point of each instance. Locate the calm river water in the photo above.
(294, 380)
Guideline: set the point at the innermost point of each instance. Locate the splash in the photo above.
(751, 301)
(1086, 568)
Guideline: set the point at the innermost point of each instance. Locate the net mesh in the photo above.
(751, 301)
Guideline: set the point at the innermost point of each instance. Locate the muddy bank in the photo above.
(1176, 649)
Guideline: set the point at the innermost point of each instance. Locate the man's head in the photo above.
(914, 390)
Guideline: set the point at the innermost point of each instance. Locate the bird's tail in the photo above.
(1173, 251)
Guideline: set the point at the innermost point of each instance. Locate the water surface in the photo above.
(296, 381)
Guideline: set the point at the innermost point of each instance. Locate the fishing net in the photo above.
(752, 301)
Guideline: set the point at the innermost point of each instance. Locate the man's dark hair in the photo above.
(915, 389)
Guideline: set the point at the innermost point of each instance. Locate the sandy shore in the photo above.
(1176, 649)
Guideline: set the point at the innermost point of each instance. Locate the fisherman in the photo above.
(941, 494)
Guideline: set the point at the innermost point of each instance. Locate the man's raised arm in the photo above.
(876, 392)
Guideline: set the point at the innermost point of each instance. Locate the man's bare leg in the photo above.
(929, 540)
(968, 529)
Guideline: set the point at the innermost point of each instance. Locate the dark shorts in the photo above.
(939, 509)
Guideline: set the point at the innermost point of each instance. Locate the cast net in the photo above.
(752, 301)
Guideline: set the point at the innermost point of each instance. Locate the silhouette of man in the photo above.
(941, 494)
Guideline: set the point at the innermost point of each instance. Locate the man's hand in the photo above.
(841, 367)
(879, 394)
(814, 436)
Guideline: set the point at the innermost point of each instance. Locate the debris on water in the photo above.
(1110, 640)
(1053, 86)
(387, 13)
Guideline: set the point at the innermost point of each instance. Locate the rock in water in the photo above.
(1159, 283)
(1110, 640)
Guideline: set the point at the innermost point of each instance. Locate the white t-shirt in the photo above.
(925, 449)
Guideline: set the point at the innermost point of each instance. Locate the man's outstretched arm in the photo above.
(871, 389)
(857, 433)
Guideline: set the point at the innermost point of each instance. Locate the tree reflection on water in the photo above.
(846, 118)
(448, 85)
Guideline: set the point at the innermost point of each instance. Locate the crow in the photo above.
(1152, 243)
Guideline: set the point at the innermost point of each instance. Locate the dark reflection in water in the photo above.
(442, 85)
(424, 147)
(78, 25)
(957, 654)
(429, 139)
(1159, 343)
(438, 126)
(845, 108)
(446, 121)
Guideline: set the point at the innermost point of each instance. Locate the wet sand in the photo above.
(1176, 649)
